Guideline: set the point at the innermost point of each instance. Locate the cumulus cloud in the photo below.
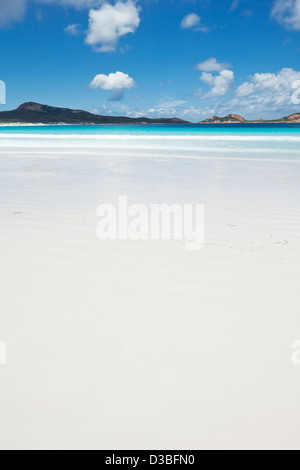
(245, 89)
(220, 84)
(266, 95)
(287, 13)
(111, 22)
(11, 11)
(278, 85)
(212, 65)
(262, 93)
(114, 82)
(193, 21)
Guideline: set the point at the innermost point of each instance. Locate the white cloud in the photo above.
(287, 13)
(245, 89)
(190, 21)
(266, 95)
(275, 83)
(11, 11)
(114, 82)
(111, 22)
(193, 21)
(212, 65)
(73, 29)
(220, 84)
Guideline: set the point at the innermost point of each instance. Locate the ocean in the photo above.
(278, 141)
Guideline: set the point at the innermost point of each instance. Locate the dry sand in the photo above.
(142, 345)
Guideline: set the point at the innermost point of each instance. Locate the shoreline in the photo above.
(145, 124)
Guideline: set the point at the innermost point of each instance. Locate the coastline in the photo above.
(145, 124)
(35, 112)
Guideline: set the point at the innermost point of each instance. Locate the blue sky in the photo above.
(189, 58)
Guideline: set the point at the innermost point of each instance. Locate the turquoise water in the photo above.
(228, 129)
(264, 141)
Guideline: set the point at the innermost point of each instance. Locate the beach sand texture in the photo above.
(142, 344)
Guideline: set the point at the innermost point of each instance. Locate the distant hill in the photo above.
(35, 113)
(236, 119)
(231, 119)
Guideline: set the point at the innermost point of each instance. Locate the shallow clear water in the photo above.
(276, 141)
(154, 129)
(246, 175)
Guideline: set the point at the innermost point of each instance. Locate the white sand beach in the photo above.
(142, 344)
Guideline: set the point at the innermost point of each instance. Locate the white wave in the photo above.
(215, 137)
